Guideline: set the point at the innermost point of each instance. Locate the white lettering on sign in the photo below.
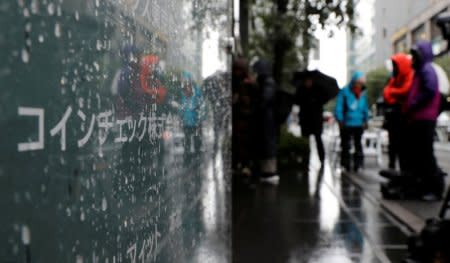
(131, 252)
(148, 249)
(121, 138)
(61, 126)
(142, 119)
(105, 124)
(85, 139)
(129, 129)
(39, 144)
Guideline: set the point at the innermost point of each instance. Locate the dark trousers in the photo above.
(420, 155)
(320, 147)
(349, 134)
(395, 144)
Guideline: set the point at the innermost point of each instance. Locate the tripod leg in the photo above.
(445, 204)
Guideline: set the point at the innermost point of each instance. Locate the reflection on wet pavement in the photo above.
(315, 217)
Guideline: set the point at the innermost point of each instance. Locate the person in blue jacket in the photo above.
(352, 113)
(191, 113)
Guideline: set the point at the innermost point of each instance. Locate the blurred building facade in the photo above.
(386, 27)
(420, 25)
(361, 48)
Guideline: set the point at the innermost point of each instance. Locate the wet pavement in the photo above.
(315, 216)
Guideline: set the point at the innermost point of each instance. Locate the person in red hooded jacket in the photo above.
(395, 95)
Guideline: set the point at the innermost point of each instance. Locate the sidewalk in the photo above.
(411, 213)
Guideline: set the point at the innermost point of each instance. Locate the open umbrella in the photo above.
(325, 86)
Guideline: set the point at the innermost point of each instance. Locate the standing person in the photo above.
(422, 109)
(352, 113)
(243, 101)
(395, 94)
(311, 113)
(265, 140)
(191, 100)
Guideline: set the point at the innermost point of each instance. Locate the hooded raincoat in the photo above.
(350, 110)
(396, 91)
(423, 100)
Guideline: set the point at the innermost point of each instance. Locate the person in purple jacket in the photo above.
(422, 110)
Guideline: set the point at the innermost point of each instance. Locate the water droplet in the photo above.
(26, 236)
(28, 27)
(125, 223)
(34, 7)
(81, 102)
(57, 30)
(99, 45)
(26, 12)
(58, 11)
(51, 9)
(104, 204)
(96, 65)
(21, 3)
(82, 216)
(79, 259)
(43, 188)
(63, 80)
(97, 3)
(77, 15)
(25, 55)
(68, 211)
(41, 39)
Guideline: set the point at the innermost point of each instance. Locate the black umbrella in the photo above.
(325, 86)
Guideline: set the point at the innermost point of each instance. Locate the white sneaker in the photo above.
(273, 180)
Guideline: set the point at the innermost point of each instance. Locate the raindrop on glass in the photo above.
(79, 259)
(99, 45)
(41, 39)
(34, 7)
(96, 65)
(97, 3)
(63, 80)
(26, 236)
(25, 55)
(57, 30)
(68, 211)
(77, 15)
(82, 216)
(26, 12)
(51, 9)
(58, 11)
(28, 27)
(104, 204)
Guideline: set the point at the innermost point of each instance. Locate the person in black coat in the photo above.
(265, 135)
(311, 104)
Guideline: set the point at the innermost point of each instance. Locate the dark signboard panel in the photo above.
(114, 131)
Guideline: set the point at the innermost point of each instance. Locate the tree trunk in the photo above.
(244, 25)
(279, 50)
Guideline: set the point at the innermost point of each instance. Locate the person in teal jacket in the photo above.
(191, 113)
(352, 113)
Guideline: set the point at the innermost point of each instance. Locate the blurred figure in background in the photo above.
(310, 116)
(352, 113)
(265, 135)
(422, 109)
(191, 101)
(395, 94)
(243, 103)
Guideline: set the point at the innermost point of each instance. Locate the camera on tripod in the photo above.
(443, 22)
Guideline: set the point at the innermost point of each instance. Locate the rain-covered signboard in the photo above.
(114, 131)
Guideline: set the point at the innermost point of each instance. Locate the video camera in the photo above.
(443, 22)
